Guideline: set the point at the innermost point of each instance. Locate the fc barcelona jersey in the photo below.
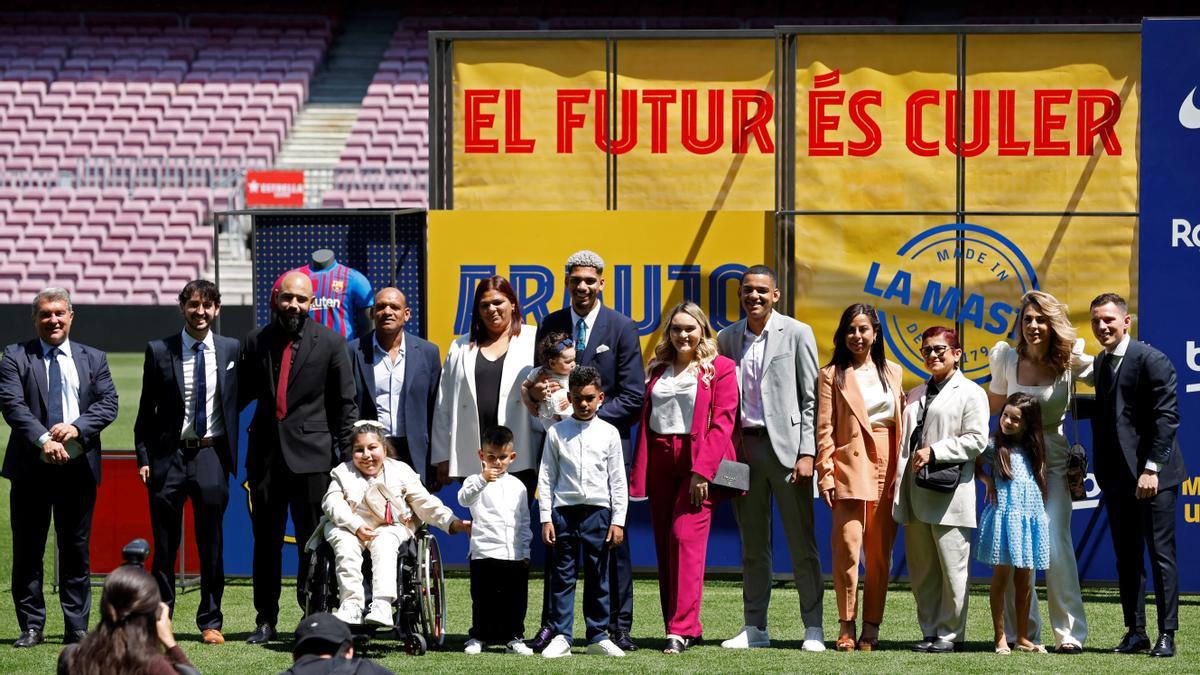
(340, 294)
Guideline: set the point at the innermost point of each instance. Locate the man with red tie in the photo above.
(299, 373)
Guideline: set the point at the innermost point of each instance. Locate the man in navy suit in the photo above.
(1139, 468)
(396, 380)
(56, 395)
(608, 341)
(186, 436)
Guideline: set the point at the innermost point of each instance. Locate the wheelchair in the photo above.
(420, 608)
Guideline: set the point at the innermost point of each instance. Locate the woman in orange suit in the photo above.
(859, 405)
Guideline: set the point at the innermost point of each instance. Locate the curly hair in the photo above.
(1062, 333)
(706, 349)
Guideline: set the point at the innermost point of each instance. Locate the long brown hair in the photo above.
(1031, 441)
(125, 639)
(843, 359)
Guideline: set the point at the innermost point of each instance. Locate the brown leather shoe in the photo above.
(212, 636)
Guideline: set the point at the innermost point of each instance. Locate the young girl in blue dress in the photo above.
(1014, 533)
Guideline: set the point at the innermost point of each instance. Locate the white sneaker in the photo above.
(560, 646)
(605, 647)
(381, 613)
(473, 646)
(751, 636)
(814, 639)
(350, 612)
(518, 647)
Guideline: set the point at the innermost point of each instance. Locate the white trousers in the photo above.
(348, 556)
(1062, 578)
(938, 556)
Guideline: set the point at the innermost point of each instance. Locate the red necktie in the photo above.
(285, 369)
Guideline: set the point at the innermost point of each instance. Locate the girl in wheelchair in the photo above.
(376, 502)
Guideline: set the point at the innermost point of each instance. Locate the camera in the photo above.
(136, 552)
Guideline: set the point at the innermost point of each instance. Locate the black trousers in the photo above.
(271, 495)
(198, 475)
(499, 598)
(1138, 525)
(68, 492)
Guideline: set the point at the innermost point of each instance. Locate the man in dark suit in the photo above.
(608, 341)
(186, 436)
(298, 372)
(396, 378)
(1139, 468)
(56, 395)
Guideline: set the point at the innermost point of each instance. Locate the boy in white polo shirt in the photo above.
(499, 550)
(582, 499)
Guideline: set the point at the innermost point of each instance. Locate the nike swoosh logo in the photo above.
(1189, 114)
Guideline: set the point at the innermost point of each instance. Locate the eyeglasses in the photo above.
(935, 350)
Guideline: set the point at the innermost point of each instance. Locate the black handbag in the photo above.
(1077, 461)
(940, 476)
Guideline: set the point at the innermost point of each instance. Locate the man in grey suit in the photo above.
(776, 357)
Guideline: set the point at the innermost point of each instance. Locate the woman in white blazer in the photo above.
(945, 422)
(481, 387)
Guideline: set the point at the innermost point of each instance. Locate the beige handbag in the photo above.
(381, 504)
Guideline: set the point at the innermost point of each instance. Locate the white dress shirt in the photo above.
(499, 517)
(673, 402)
(589, 321)
(750, 374)
(583, 464)
(70, 390)
(389, 387)
(212, 411)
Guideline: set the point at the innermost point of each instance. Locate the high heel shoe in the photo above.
(868, 644)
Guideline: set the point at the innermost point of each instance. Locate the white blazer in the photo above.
(456, 431)
(956, 428)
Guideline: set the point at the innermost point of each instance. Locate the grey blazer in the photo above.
(789, 383)
(956, 427)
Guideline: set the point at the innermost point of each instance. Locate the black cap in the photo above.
(321, 626)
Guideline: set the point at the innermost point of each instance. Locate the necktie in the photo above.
(200, 390)
(580, 335)
(285, 369)
(55, 390)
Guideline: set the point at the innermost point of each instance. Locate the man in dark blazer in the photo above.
(186, 436)
(396, 379)
(298, 372)
(1139, 468)
(56, 395)
(608, 341)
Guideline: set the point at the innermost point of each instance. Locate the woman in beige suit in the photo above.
(860, 402)
(945, 424)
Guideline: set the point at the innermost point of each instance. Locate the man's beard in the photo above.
(291, 323)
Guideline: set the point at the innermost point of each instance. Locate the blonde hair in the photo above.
(1062, 333)
(706, 349)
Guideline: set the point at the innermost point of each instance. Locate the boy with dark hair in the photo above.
(499, 550)
(583, 498)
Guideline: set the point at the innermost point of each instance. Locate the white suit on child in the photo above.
(345, 512)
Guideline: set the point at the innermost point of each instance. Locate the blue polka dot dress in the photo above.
(1015, 529)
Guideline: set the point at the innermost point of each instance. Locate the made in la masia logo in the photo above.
(919, 288)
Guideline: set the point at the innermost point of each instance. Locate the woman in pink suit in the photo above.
(686, 430)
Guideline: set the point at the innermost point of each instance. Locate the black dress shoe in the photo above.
(262, 635)
(1164, 646)
(940, 646)
(74, 637)
(676, 645)
(622, 640)
(1133, 642)
(924, 644)
(29, 638)
(543, 638)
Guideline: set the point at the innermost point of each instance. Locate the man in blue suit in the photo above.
(56, 395)
(186, 435)
(396, 377)
(608, 341)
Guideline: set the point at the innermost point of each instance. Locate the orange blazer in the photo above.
(846, 454)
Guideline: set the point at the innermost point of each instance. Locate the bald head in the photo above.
(390, 312)
(293, 300)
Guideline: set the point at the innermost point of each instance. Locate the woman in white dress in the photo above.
(1045, 360)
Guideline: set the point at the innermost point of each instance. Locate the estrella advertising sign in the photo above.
(1170, 239)
(274, 188)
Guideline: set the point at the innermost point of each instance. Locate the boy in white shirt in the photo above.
(582, 499)
(499, 550)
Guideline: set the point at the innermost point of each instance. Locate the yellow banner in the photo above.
(654, 260)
